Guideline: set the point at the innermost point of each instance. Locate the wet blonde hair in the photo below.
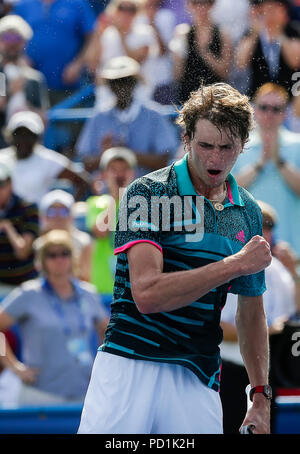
(222, 105)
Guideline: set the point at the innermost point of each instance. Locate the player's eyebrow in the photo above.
(225, 144)
(202, 142)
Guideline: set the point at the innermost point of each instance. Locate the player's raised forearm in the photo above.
(155, 291)
(169, 291)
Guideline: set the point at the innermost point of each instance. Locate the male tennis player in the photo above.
(158, 370)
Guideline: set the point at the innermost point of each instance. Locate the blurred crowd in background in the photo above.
(127, 65)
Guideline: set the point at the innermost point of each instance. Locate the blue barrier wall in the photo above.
(41, 420)
(65, 419)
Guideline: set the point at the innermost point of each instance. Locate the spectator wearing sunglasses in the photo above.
(270, 166)
(57, 315)
(202, 52)
(25, 87)
(56, 212)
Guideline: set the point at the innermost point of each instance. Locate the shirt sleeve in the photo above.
(253, 284)
(17, 304)
(96, 307)
(136, 223)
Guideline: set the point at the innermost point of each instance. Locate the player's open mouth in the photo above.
(214, 171)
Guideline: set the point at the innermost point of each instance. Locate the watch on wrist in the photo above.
(266, 390)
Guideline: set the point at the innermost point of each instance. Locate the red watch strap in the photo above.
(256, 389)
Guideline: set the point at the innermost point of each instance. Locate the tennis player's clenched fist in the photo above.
(255, 256)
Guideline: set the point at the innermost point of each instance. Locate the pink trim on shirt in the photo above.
(132, 243)
(229, 193)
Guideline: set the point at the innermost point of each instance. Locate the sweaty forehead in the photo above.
(206, 131)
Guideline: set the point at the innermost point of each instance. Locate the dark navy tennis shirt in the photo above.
(189, 336)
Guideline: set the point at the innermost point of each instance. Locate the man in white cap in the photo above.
(35, 168)
(25, 87)
(131, 123)
(117, 167)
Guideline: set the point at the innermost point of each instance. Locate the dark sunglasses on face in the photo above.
(11, 37)
(269, 108)
(61, 212)
(269, 225)
(202, 2)
(55, 255)
(128, 8)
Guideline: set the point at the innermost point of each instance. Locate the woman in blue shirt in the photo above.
(56, 315)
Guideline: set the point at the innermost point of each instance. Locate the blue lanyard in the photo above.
(56, 304)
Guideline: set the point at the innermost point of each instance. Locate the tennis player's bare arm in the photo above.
(155, 291)
(253, 338)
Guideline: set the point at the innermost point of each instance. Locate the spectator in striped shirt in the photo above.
(19, 227)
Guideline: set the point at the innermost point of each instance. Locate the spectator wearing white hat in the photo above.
(117, 170)
(36, 169)
(56, 212)
(130, 122)
(25, 87)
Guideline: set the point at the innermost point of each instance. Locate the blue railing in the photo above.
(66, 110)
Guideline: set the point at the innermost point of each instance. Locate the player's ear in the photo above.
(186, 143)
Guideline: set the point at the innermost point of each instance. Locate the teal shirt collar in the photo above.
(186, 187)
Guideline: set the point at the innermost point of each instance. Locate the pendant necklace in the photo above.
(216, 203)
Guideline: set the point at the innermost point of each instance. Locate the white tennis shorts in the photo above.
(127, 396)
